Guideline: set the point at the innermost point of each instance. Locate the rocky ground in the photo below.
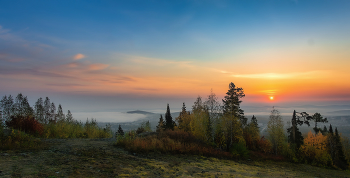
(99, 158)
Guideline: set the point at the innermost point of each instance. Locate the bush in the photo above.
(65, 129)
(19, 140)
(240, 150)
(264, 145)
(27, 124)
(169, 142)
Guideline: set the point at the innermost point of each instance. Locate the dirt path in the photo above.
(99, 158)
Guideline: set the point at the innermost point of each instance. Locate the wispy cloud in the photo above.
(78, 56)
(97, 66)
(299, 75)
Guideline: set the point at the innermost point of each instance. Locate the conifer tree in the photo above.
(69, 116)
(252, 134)
(47, 113)
(39, 110)
(7, 107)
(324, 131)
(53, 113)
(169, 123)
(331, 143)
(120, 131)
(28, 111)
(18, 105)
(232, 103)
(340, 159)
(317, 117)
(208, 126)
(60, 115)
(161, 124)
(233, 114)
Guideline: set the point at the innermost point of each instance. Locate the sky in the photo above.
(125, 55)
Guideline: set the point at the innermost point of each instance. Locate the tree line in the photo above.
(223, 125)
(44, 111)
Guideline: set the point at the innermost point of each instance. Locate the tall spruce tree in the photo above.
(232, 103)
(18, 105)
(69, 116)
(28, 111)
(47, 113)
(233, 114)
(169, 123)
(7, 107)
(60, 115)
(53, 113)
(120, 131)
(340, 159)
(39, 110)
(161, 124)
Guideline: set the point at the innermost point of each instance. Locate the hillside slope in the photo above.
(99, 158)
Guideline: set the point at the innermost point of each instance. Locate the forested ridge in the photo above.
(220, 129)
(210, 128)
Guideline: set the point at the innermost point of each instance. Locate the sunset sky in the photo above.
(105, 55)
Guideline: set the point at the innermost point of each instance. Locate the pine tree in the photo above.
(28, 111)
(7, 107)
(47, 114)
(340, 159)
(120, 131)
(39, 110)
(232, 103)
(53, 113)
(169, 123)
(18, 105)
(331, 143)
(324, 131)
(252, 134)
(161, 124)
(233, 114)
(60, 115)
(69, 116)
(208, 126)
(317, 117)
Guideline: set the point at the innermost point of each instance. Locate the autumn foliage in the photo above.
(27, 124)
(314, 150)
(179, 142)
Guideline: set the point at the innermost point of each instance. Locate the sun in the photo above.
(271, 97)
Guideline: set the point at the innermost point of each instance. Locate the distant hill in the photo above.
(340, 112)
(139, 112)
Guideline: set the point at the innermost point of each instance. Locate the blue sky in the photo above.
(162, 52)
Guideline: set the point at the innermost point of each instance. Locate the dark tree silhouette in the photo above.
(295, 137)
(318, 118)
(120, 131)
(340, 159)
(169, 123)
(231, 109)
(161, 124)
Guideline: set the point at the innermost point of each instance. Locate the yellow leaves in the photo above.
(317, 141)
(314, 149)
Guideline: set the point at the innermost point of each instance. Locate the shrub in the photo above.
(75, 129)
(264, 145)
(19, 140)
(169, 142)
(27, 124)
(240, 150)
